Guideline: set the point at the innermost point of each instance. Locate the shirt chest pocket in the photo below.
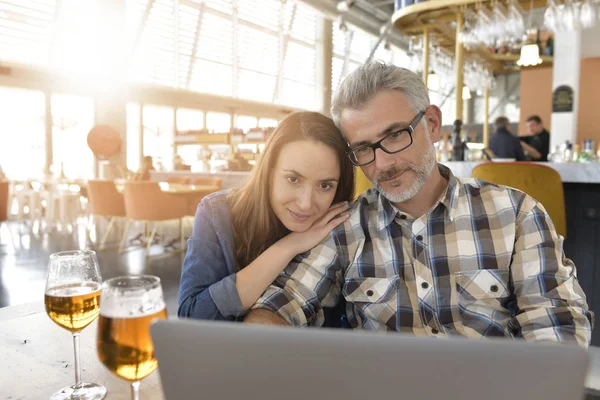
(369, 290)
(488, 286)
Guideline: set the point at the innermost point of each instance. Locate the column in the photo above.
(459, 68)
(569, 49)
(324, 60)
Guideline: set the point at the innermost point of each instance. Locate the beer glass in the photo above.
(72, 300)
(129, 305)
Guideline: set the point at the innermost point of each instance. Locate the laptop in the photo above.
(234, 361)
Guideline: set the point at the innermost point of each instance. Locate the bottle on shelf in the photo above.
(549, 49)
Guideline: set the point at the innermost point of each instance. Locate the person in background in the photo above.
(424, 252)
(147, 166)
(537, 144)
(178, 164)
(243, 239)
(2, 176)
(503, 143)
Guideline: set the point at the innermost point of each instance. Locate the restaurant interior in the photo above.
(117, 118)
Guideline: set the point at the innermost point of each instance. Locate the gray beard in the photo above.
(421, 172)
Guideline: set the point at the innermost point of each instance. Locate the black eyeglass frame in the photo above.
(377, 145)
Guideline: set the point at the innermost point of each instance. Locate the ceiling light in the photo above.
(530, 55)
(466, 93)
(433, 81)
(345, 5)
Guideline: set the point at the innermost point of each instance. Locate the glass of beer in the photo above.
(129, 305)
(72, 301)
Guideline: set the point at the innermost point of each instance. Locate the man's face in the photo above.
(398, 177)
(534, 128)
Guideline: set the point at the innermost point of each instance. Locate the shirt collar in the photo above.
(386, 212)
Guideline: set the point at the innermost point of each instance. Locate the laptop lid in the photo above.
(229, 361)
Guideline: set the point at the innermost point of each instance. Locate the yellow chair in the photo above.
(361, 183)
(540, 182)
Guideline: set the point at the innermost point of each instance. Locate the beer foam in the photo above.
(133, 304)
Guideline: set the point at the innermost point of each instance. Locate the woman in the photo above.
(243, 239)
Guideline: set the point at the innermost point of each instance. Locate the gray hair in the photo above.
(365, 82)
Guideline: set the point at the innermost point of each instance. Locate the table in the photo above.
(179, 188)
(36, 358)
(176, 188)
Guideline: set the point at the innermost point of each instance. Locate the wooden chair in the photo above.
(145, 202)
(4, 185)
(106, 201)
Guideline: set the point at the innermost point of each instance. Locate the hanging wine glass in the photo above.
(588, 14)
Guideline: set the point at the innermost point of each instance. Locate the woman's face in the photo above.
(303, 183)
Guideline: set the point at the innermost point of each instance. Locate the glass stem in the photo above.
(135, 390)
(77, 364)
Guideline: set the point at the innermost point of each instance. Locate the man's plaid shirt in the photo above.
(484, 261)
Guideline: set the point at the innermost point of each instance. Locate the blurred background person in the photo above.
(147, 166)
(503, 143)
(537, 144)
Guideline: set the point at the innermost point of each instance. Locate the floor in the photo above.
(25, 250)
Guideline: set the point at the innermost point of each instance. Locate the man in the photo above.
(425, 252)
(537, 144)
(503, 143)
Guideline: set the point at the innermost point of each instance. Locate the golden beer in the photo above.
(125, 346)
(73, 306)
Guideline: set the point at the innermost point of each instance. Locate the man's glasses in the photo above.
(393, 143)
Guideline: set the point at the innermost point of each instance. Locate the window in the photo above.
(72, 120)
(263, 50)
(267, 123)
(245, 122)
(22, 132)
(133, 137)
(258, 50)
(189, 120)
(26, 31)
(218, 122)
(158, 135)
(351, 49)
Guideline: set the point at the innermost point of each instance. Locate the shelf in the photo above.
(439, 18)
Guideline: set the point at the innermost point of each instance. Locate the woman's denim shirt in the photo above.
(207, 289)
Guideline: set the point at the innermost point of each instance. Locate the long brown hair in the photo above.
(255, 225)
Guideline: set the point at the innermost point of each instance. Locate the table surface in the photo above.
(177, 188)
(569, 172)
(37, 359)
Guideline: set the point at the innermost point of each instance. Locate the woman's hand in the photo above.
(299, 242)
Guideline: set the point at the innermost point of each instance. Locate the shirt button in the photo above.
(369, 293)
(424, 285)
(402, 216)
(419, 238)
(434, 331)
(494, 288)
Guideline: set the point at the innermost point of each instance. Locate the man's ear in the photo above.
(433, 116)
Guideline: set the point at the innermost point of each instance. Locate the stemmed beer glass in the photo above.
(72, 300)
